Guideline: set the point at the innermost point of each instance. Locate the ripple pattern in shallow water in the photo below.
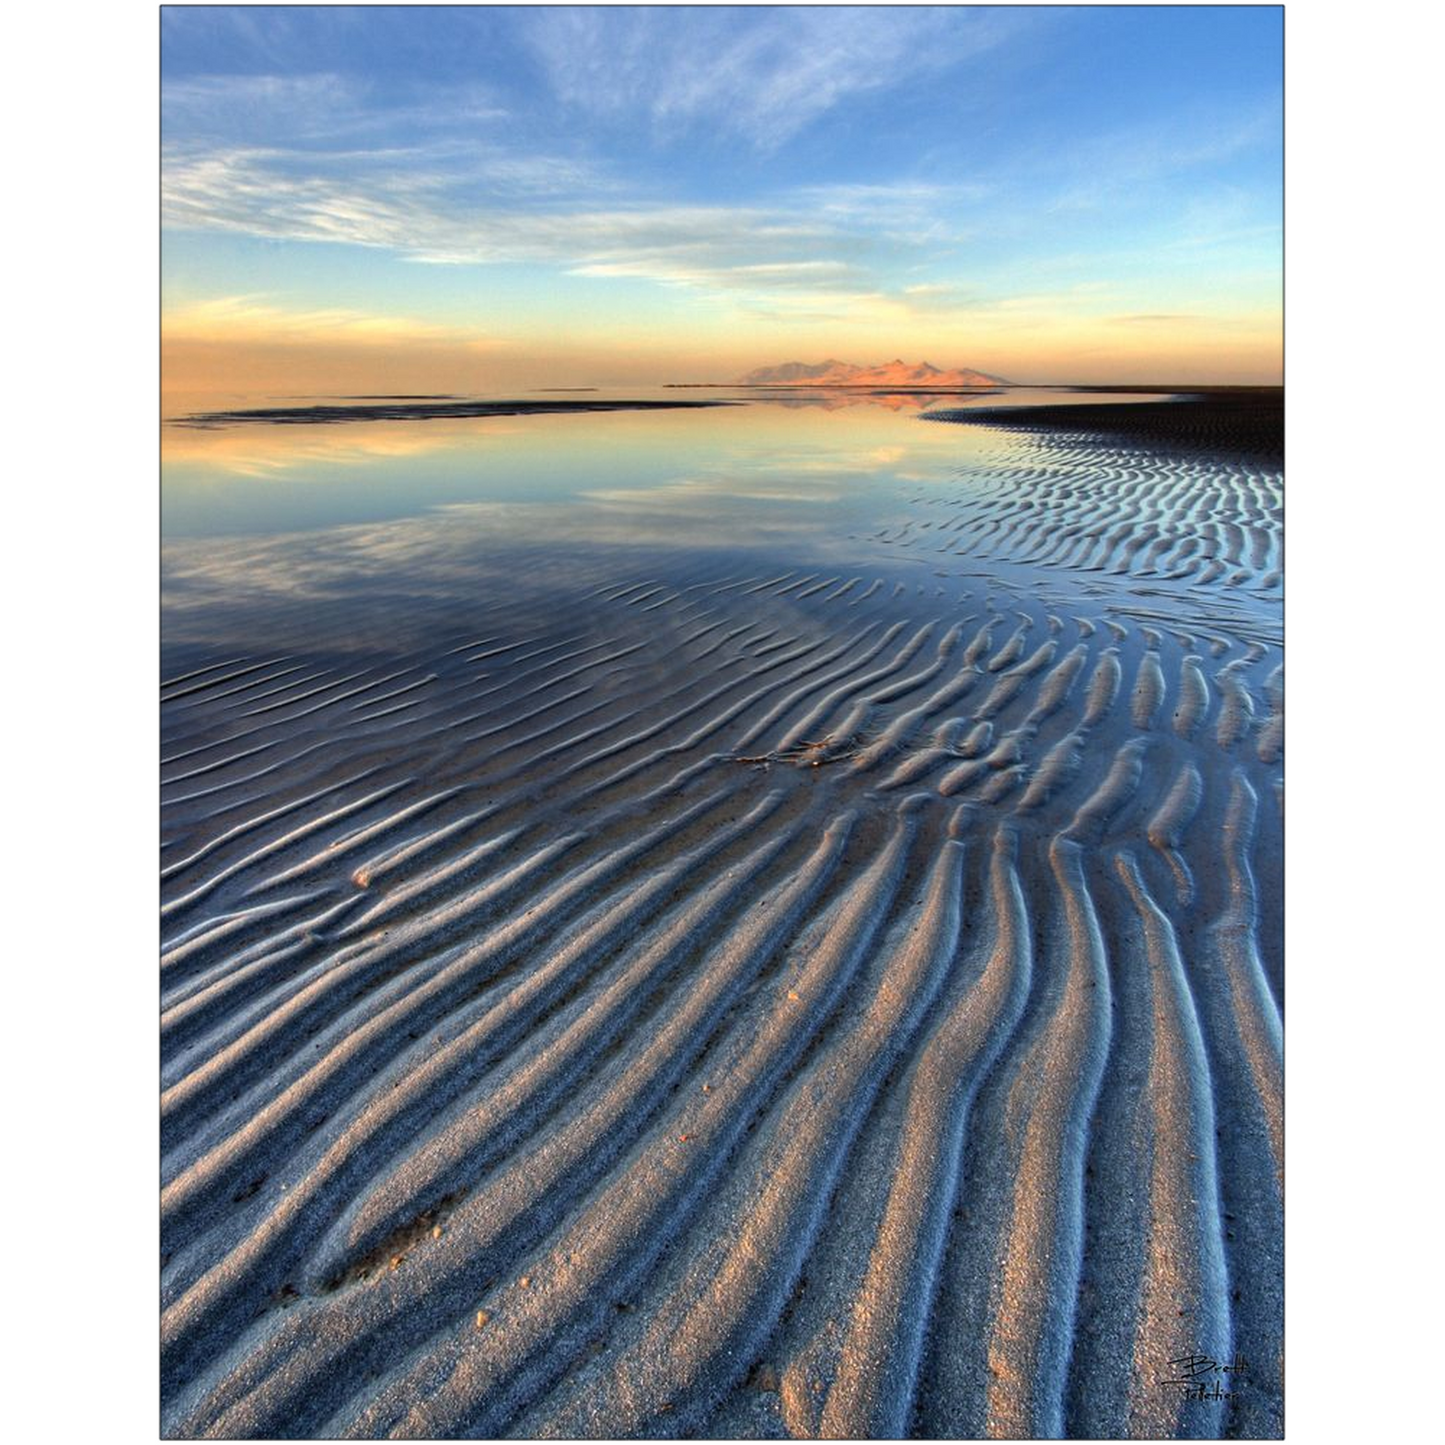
(764, 1005)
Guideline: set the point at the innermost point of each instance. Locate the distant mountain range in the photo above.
(845, 373)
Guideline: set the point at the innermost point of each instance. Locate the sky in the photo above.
(469, 198)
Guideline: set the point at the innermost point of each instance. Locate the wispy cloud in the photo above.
(792, 260)
(1161, 318)
(433, 217)
(259, 317)
(327, 109)
(1098, 171)
(761, 73)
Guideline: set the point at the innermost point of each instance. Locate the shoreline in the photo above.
(419, 411)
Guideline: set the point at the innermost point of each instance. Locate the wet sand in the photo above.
(830, 999)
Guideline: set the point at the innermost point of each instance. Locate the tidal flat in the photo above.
(730, 921)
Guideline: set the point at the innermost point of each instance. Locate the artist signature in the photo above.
(1202, 1377)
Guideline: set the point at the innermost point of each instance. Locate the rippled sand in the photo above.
(814, 1000)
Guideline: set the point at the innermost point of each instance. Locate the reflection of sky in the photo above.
(394, 536)
(729, 467)
(388, 536)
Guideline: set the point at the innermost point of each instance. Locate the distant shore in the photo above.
(418, 411)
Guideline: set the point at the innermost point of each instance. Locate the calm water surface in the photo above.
(359, 532)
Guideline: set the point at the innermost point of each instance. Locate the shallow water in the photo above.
(269, 516)
(766, 455)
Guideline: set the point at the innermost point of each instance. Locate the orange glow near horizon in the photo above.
(1101, 353)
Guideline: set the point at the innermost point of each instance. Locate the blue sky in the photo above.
(1089, 193)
